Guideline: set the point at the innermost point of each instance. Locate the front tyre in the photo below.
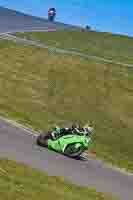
(73, 151)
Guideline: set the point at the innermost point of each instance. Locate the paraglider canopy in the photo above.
(51, 14)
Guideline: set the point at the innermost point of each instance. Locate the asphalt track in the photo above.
(13, 21)
(20, 144)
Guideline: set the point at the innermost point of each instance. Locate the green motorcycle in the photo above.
(71, 145)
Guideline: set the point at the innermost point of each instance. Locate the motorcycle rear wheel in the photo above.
(42, 140)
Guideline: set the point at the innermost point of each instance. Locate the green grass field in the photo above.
(41, 88)
(18, 182)
(116, 47)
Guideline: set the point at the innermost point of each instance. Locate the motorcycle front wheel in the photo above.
(72, 151)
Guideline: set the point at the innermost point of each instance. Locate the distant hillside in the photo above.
(11, 20)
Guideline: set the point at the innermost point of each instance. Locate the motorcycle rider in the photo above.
(75, 129)
(58, 132)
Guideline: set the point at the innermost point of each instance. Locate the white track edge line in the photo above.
(18, 125)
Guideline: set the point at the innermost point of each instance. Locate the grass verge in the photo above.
(106, 45)
(20, 182)
(41, 88)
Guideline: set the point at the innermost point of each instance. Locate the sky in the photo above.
(102, 15)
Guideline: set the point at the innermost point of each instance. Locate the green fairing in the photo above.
(61, 144)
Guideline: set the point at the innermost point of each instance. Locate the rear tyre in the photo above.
(73, 152)
(42, 140)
